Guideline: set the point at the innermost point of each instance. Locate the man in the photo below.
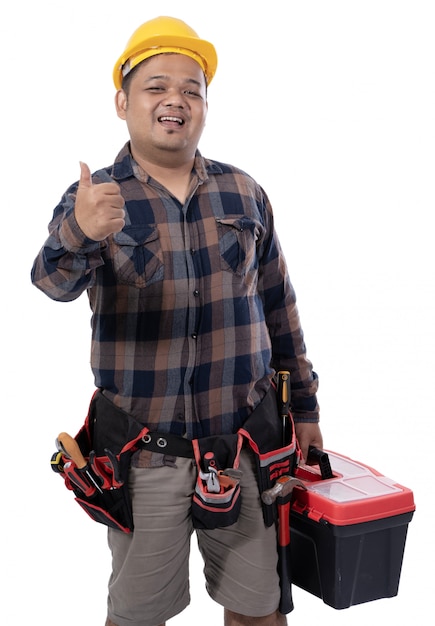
(193, 314)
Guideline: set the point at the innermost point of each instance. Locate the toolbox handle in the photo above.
(320, 457)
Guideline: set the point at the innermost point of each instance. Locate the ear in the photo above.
(121, 103)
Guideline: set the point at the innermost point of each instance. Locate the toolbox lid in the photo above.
(356, 493)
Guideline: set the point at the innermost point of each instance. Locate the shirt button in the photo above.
(192, 251)
(196, 293)
(194, 336)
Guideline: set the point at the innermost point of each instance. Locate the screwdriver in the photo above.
(70, 448)
(283, 397)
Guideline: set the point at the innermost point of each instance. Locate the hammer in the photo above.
(282, 488)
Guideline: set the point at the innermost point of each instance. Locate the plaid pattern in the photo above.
(193, 309)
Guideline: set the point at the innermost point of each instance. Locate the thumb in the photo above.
(85, 175)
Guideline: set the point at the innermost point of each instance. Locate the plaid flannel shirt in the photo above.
(192, 306)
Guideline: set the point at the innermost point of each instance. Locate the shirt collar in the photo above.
(124, 166)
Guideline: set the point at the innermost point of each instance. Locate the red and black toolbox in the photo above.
(348, 531)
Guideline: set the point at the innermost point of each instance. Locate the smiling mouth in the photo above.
(171, 119)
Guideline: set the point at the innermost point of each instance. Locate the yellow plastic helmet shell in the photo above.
(165, 34)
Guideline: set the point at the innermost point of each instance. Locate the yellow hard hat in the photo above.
(165, 34)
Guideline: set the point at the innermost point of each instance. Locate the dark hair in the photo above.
(126, 80)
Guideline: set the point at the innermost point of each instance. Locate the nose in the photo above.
(174, 98)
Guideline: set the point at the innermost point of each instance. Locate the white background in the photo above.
(330, 106)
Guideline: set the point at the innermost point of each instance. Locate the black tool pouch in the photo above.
(216, 500)
(264, 431)
(107, 441)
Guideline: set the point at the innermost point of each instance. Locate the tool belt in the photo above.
(107, 441)
(110, 436)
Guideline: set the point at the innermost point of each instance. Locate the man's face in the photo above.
(165, 108)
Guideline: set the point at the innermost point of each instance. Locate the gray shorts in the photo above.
(149, 583)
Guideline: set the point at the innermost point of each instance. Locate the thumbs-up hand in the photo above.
(99, 209)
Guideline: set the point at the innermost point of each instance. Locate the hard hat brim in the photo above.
(180, 45)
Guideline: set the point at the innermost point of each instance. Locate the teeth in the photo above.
(168, 118)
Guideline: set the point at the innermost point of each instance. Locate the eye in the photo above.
(190, 92)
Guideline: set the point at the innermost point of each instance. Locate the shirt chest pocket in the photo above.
(238, 240)
(137, 255)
